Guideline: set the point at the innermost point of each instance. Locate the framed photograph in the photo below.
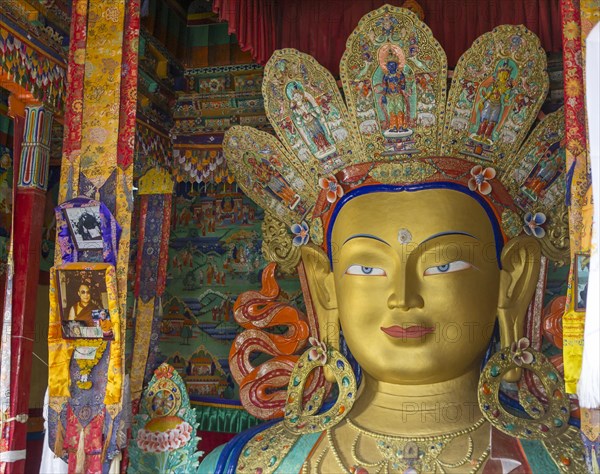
(83, 301)
(85, 226)
(582, 273)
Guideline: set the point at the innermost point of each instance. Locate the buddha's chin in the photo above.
(415, 364)
(406, 376)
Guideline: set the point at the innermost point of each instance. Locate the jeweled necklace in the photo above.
(410, 455)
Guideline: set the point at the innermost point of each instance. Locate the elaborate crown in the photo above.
(403, 127)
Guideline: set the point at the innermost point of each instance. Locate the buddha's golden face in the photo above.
(416, 282)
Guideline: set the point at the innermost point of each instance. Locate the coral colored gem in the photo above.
(342, 409)
(557, 394)
(565, 460)
(486, 389)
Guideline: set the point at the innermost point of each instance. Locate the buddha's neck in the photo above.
(408, 410)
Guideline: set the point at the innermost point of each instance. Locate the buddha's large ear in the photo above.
(322, 291)
(518, 279)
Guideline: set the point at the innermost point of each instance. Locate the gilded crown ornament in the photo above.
(400, 125)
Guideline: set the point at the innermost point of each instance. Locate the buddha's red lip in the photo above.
(409, 332)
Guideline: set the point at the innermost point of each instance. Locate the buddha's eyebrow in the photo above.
(441, 234)
(366, 236)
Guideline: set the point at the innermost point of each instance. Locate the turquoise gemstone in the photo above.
(247, 452)
(557, 422)
(294, 419)
(553, 376)
(509, 426)
(345, 381)
(495, 371)
(327, 419)
(296, 381)
(272, 461)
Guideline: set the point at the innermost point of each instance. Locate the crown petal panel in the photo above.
(269, 175)
(536, 178)
(498, 87)
(394, 77)
(305, 107)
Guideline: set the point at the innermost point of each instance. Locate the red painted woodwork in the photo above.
(27, 230)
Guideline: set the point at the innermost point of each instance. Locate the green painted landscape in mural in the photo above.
(214, 255)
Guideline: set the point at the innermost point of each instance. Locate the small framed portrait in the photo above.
(582, 273)
(85, 226)
(83, 301)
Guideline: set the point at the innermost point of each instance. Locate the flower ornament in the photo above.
(333, 188)
(479, 179)
(533, 224)
(318, 351)
(301, 234)
(519, 355)
(164, 434)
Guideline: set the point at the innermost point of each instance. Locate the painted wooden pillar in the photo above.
(28, 208)
(100, 113)
(97, 160)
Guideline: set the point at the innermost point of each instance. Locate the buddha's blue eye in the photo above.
(364, 271)
(451, 267)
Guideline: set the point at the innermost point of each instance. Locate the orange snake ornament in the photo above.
(263, 387)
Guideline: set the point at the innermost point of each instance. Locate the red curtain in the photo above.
(253, 22)
(320, 28)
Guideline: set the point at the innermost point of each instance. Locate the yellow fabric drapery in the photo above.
(578, 18)
(60, 350)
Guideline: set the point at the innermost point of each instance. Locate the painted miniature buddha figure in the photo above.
(394, 87)
(411, 266)
(494, 101)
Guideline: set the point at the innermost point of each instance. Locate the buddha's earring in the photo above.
(544, 423)
(301, 416)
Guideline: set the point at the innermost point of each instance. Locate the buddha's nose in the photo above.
(405, 297)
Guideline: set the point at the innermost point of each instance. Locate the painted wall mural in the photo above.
(214, 255)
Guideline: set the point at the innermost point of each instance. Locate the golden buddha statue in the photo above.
(411, 254)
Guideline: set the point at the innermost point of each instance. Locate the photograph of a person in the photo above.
(85, 226)
(582, 273)
(83, 304)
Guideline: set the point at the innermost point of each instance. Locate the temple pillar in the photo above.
(100, 114)
(28, 209)
(98, 146)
